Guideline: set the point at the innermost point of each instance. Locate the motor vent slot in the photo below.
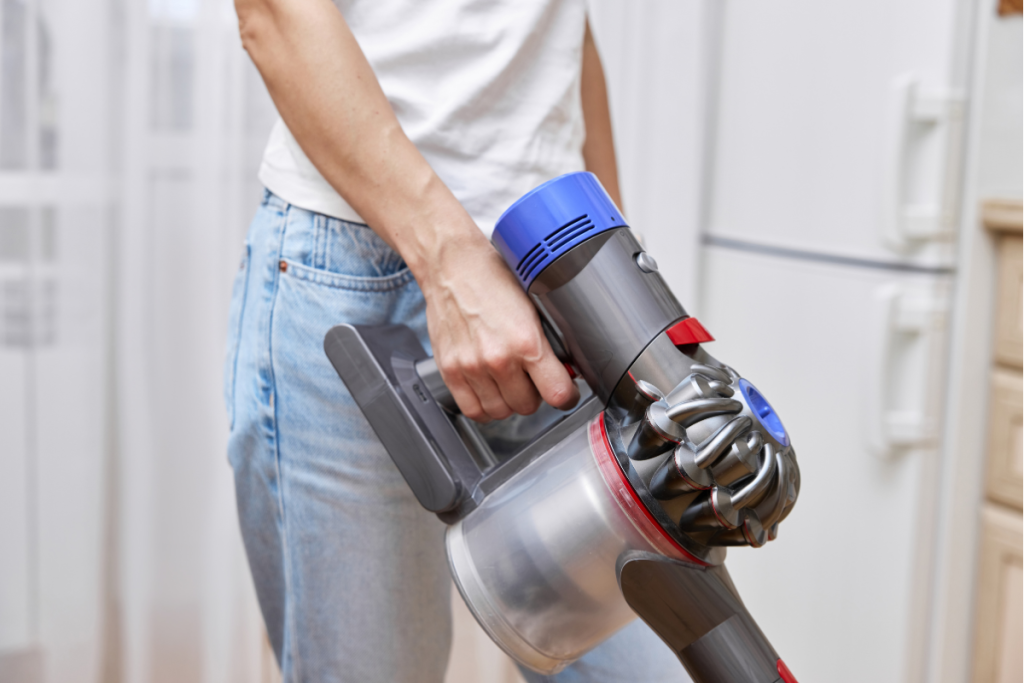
(530, 261)
(546, 250)
(568, 226)
(572, 234)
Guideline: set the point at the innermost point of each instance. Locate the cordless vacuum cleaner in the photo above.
(566, 525)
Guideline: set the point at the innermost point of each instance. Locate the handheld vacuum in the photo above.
(564, 526)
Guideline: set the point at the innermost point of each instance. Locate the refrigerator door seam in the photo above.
(822, 257)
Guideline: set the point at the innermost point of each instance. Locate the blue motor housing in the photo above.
(552, 219)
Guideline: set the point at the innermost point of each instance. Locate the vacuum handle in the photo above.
(400, 391)
(431, 375)
(698, 614)
(378, 365)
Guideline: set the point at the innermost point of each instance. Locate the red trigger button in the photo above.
(688, 331)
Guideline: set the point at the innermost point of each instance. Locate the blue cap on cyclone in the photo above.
(550, 220)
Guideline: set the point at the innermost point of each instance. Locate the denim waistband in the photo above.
(331, 244)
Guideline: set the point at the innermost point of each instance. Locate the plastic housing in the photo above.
(550, 220)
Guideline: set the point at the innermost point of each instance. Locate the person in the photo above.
(406, 127)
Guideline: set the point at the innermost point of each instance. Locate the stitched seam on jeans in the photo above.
(351, 282)
(287, 648)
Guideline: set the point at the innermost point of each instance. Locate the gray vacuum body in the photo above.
(564, 526)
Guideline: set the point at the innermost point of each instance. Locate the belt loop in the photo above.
(321, 228)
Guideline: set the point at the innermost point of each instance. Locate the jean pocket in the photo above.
(235, 316)
(356, 283)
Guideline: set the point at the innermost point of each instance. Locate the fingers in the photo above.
(472, 386)
(491, 401)
(489, 344)
(465, 397)
(491, 386)
(552, 380)
(517, 390)
(508, 375)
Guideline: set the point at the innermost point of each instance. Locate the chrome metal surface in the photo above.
(698, 386)
(719, 442)
(753, 477)
(711, 372)
(680, 474)
(722, 389)
(753, 491)
(713, 510)
(646, 394)
(750, 532)
(740, 461)
(770, 509)
(646, 262)
(690, 413)
(657, 433)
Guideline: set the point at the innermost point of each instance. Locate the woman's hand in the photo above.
(487, 337)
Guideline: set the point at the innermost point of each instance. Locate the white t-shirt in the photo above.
(487, 90)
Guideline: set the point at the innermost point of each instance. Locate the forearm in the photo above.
(599, 146)
(486, 335)
(328, 95)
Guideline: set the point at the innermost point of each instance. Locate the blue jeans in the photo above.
(350, 571)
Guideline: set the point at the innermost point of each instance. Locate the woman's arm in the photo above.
(599, 147)
(485, 332)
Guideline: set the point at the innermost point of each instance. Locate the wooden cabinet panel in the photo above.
(1005, 482)
(1009, 336)
(998, 635)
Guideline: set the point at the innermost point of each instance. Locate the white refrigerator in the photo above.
(834, 149)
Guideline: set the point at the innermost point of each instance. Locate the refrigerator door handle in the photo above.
(902, 313)
(915, 110)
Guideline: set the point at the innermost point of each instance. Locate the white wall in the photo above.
(658, 57)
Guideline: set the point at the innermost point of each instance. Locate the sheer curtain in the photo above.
(130, 134)
(56, 202)
(195, 117)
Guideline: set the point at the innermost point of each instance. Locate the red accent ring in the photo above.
(628, 499)
(688, 331)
